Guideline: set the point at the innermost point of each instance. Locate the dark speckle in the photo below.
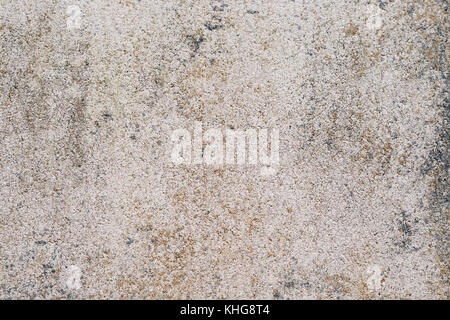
(252, 11)
(406, 229)
(41, 242)
(195, 41)
(211, 26)
(289, 284)
(219, 8)
(107, 116)
(306, 285)
(404, 225)
(48, 267)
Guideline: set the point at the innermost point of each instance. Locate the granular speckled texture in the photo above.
(91, 205)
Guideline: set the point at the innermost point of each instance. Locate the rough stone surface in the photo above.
(91, 205)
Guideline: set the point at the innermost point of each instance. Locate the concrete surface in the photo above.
(91, 205)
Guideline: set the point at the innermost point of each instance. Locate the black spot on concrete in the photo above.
(48, 268)
(405, 228)
(220, 7)
(195, 41)
(107, 116)
(210, 26)
(289, 284)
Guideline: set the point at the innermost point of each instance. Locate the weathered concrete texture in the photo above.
(92, 207)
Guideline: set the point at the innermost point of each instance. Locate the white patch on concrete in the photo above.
(373, 282)
(74, 17)
(268, 171)
(74, 278)
(374, 19)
